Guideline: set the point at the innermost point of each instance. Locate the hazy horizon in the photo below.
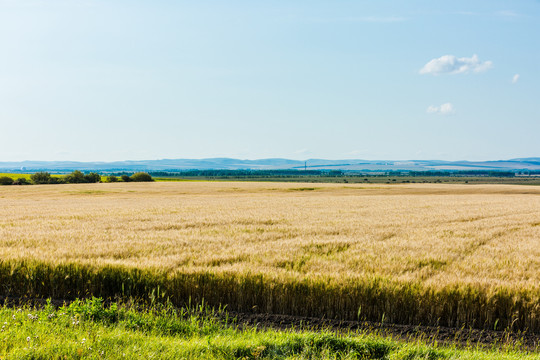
(270, 158)
(275, 157)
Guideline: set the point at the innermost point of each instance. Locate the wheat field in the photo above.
(436, 237)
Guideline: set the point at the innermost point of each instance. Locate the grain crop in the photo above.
(414, 253)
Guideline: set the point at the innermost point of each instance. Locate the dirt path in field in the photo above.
(441, 335)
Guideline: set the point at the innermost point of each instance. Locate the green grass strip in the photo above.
(91, 330)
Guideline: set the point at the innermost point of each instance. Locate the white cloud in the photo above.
(508, 13)
(444, 109)
(515, 78)
(450, 64)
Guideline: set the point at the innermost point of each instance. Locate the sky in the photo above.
(92, 80)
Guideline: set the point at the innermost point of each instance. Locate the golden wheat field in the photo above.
(486, 235)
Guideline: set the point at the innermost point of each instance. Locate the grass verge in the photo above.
(91, 330)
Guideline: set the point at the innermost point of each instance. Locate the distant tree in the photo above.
(76, 177)
(6, 180)
(21, 181)
(56, 180)
(41, 177)
(125, 178)
(141, 176)
(112, 178)
(92, 177)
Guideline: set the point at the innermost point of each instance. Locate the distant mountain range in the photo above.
(532, 163)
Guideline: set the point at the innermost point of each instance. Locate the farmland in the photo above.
(432, 254)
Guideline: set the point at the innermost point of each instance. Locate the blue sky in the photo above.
(114, 80)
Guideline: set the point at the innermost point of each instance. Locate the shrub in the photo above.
(56, 180)
(41, 177)
(21, 181)
(112, 178)
(6, 180)
(76, 177)
(141, 176)
(125, 178)
(92, 177)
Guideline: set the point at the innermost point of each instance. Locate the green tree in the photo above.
(41, 177)
(6, 180)
(112, 178)
(125, 178)
(92, 177)
(21, 181)
(56, 180)
(76, 177)
(141, 176)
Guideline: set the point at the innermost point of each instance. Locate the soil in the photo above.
(461, 337)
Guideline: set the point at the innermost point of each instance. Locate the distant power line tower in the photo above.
(305, 165)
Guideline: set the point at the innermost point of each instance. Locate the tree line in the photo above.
(288, 173)
(76, 177)
(245, 173)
